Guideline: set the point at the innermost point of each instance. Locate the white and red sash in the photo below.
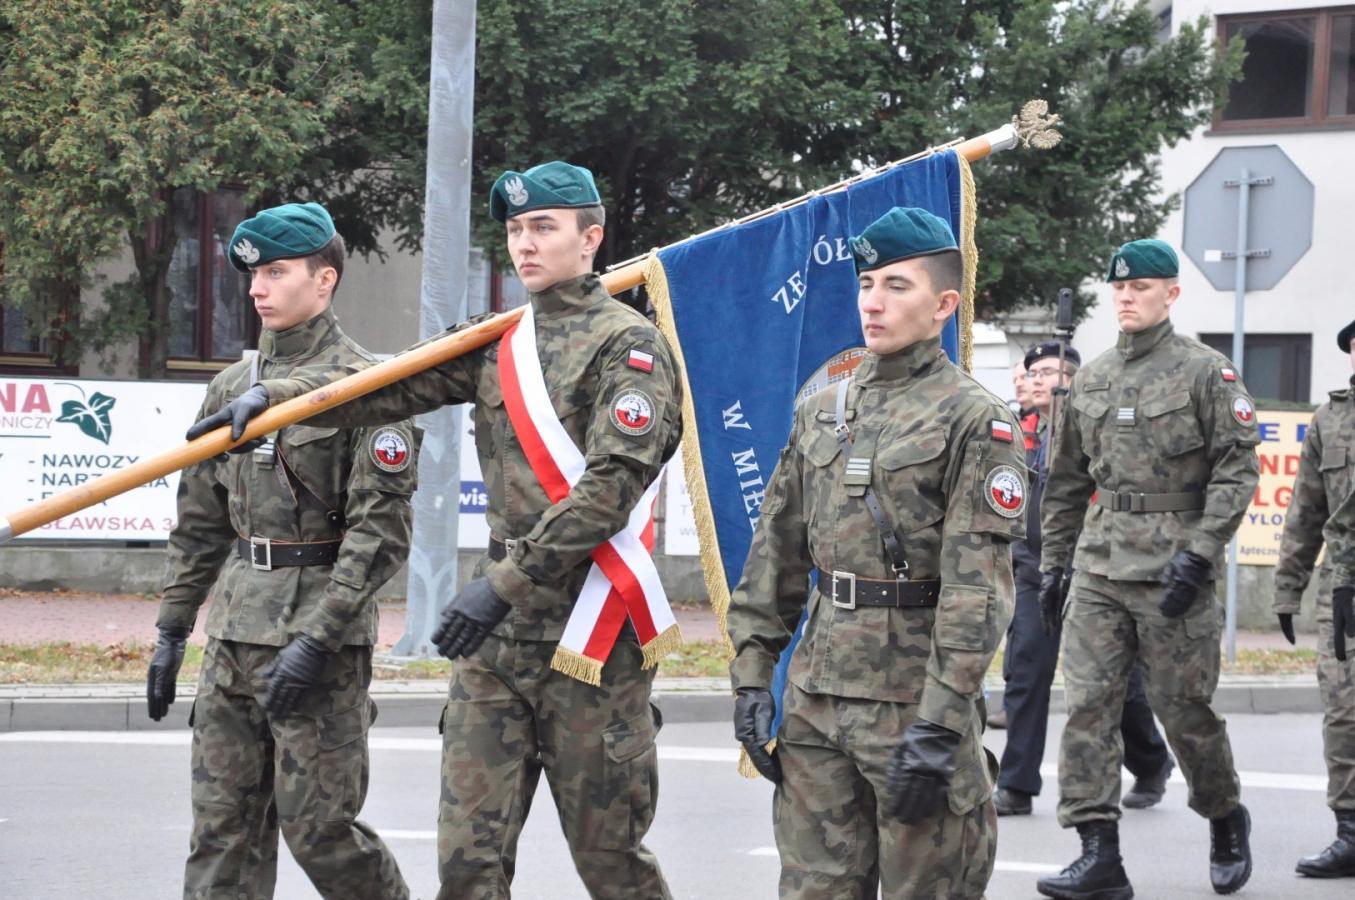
(623, 581)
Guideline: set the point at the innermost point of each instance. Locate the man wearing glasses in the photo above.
(1033, 654)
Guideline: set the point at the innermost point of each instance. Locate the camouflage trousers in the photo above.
(305, 774)
(1336, 680)
(508, 718)
(1106, 625)
(835, 836)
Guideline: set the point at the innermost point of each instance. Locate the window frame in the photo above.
(1318, 120)
(203, 361)
(24, 362)
(1296, 375)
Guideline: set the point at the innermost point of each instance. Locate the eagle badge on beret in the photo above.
(865, 251)
(248, 253)
(1005, 492)
(390, 450)
(1121, 268)
(516, 191)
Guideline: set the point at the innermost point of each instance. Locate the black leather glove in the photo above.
(754, 710)
(1187, 572)
(164, 669)
(468, 619)
(1287, 626)
(296, 670)
(1053, 594)
(1342, 618)
(920, 772)
(236, 414)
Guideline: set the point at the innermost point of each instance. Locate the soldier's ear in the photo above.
(950, 301)
(592, 239)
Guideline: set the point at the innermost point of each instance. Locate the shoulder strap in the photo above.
(888, 536)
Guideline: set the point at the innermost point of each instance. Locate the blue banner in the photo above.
(764, 313)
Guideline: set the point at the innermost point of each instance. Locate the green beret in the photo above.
(283, 232)
(1148, 258)
(1343, 337)
(552, 185)
(901, 233)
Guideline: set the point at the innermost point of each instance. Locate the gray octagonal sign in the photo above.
(1280, 217)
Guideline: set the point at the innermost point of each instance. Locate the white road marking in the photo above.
(396, 834)
(1280, 781)
(1002, 865)
(763, 851)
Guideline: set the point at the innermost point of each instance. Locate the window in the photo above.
(1299, 72)
(1274, 366)
(211, 317)
(20, 351)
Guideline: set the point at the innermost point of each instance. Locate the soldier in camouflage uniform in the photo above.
(1161, 432)
(509, 714)
(297, 535)
(882, 781)
(1320, 510)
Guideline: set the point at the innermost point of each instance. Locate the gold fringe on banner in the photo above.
(969, 253)
(667, 641)
(576, 665)
(712, 568)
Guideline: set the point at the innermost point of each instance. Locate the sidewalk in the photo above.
(118, 619)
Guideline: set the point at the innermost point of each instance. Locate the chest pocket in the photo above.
(911, 482)
(1091, 407)
(1171, 423)
(1335, 474)
(819, 446)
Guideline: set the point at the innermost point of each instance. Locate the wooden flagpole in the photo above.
(1034, 127)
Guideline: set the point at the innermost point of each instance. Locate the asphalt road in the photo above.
(105, 815)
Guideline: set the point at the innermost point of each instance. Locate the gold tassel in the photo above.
(666, 642)
(576, 665)
(969, 254)
(712, 567)
(746, 767)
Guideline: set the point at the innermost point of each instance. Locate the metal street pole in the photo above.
(446, 256)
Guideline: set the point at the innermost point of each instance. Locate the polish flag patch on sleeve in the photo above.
(1228, 374)
(639, 359)
(1002, 431)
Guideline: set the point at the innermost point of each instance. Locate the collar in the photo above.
(569, 295)
(1141, 343)
(300, 341)
(910, 363)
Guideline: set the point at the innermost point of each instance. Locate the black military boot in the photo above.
(1095, 875)
(1338, 860)
(1011, 802)
(1148, 791)
(1230, 850)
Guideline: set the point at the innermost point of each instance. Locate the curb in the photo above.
(122, 707)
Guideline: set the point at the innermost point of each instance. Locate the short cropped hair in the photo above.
(332, 255)
(946, 270)
(591, 215)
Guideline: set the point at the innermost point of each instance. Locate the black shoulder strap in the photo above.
(893, 546)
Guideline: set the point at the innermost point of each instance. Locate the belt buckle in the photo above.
(255, 543)
(850, 578)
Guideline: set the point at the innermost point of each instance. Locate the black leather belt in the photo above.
(266, 554)
(1128, 501)
(498, 547)
(848, 591)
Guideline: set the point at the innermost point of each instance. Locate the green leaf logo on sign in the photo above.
(90, 416)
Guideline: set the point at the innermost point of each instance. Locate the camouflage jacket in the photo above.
(1160, 413)
(943, 448)
(349, 484)
(1322, 485)
(584, 341)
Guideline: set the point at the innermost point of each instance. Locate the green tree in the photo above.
(108, 106)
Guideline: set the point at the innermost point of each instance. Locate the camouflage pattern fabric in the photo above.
(835, 837)
(941, 449)
(1321, 488)
(508, 718)
(1160, 413)
(1106, 624)
(307, 771)
(584, 341)
(305, 774)
(340, 487)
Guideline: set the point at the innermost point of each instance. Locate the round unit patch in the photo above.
(390, 450)
(1005, 492)
(633, 412)
(1243, 411)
